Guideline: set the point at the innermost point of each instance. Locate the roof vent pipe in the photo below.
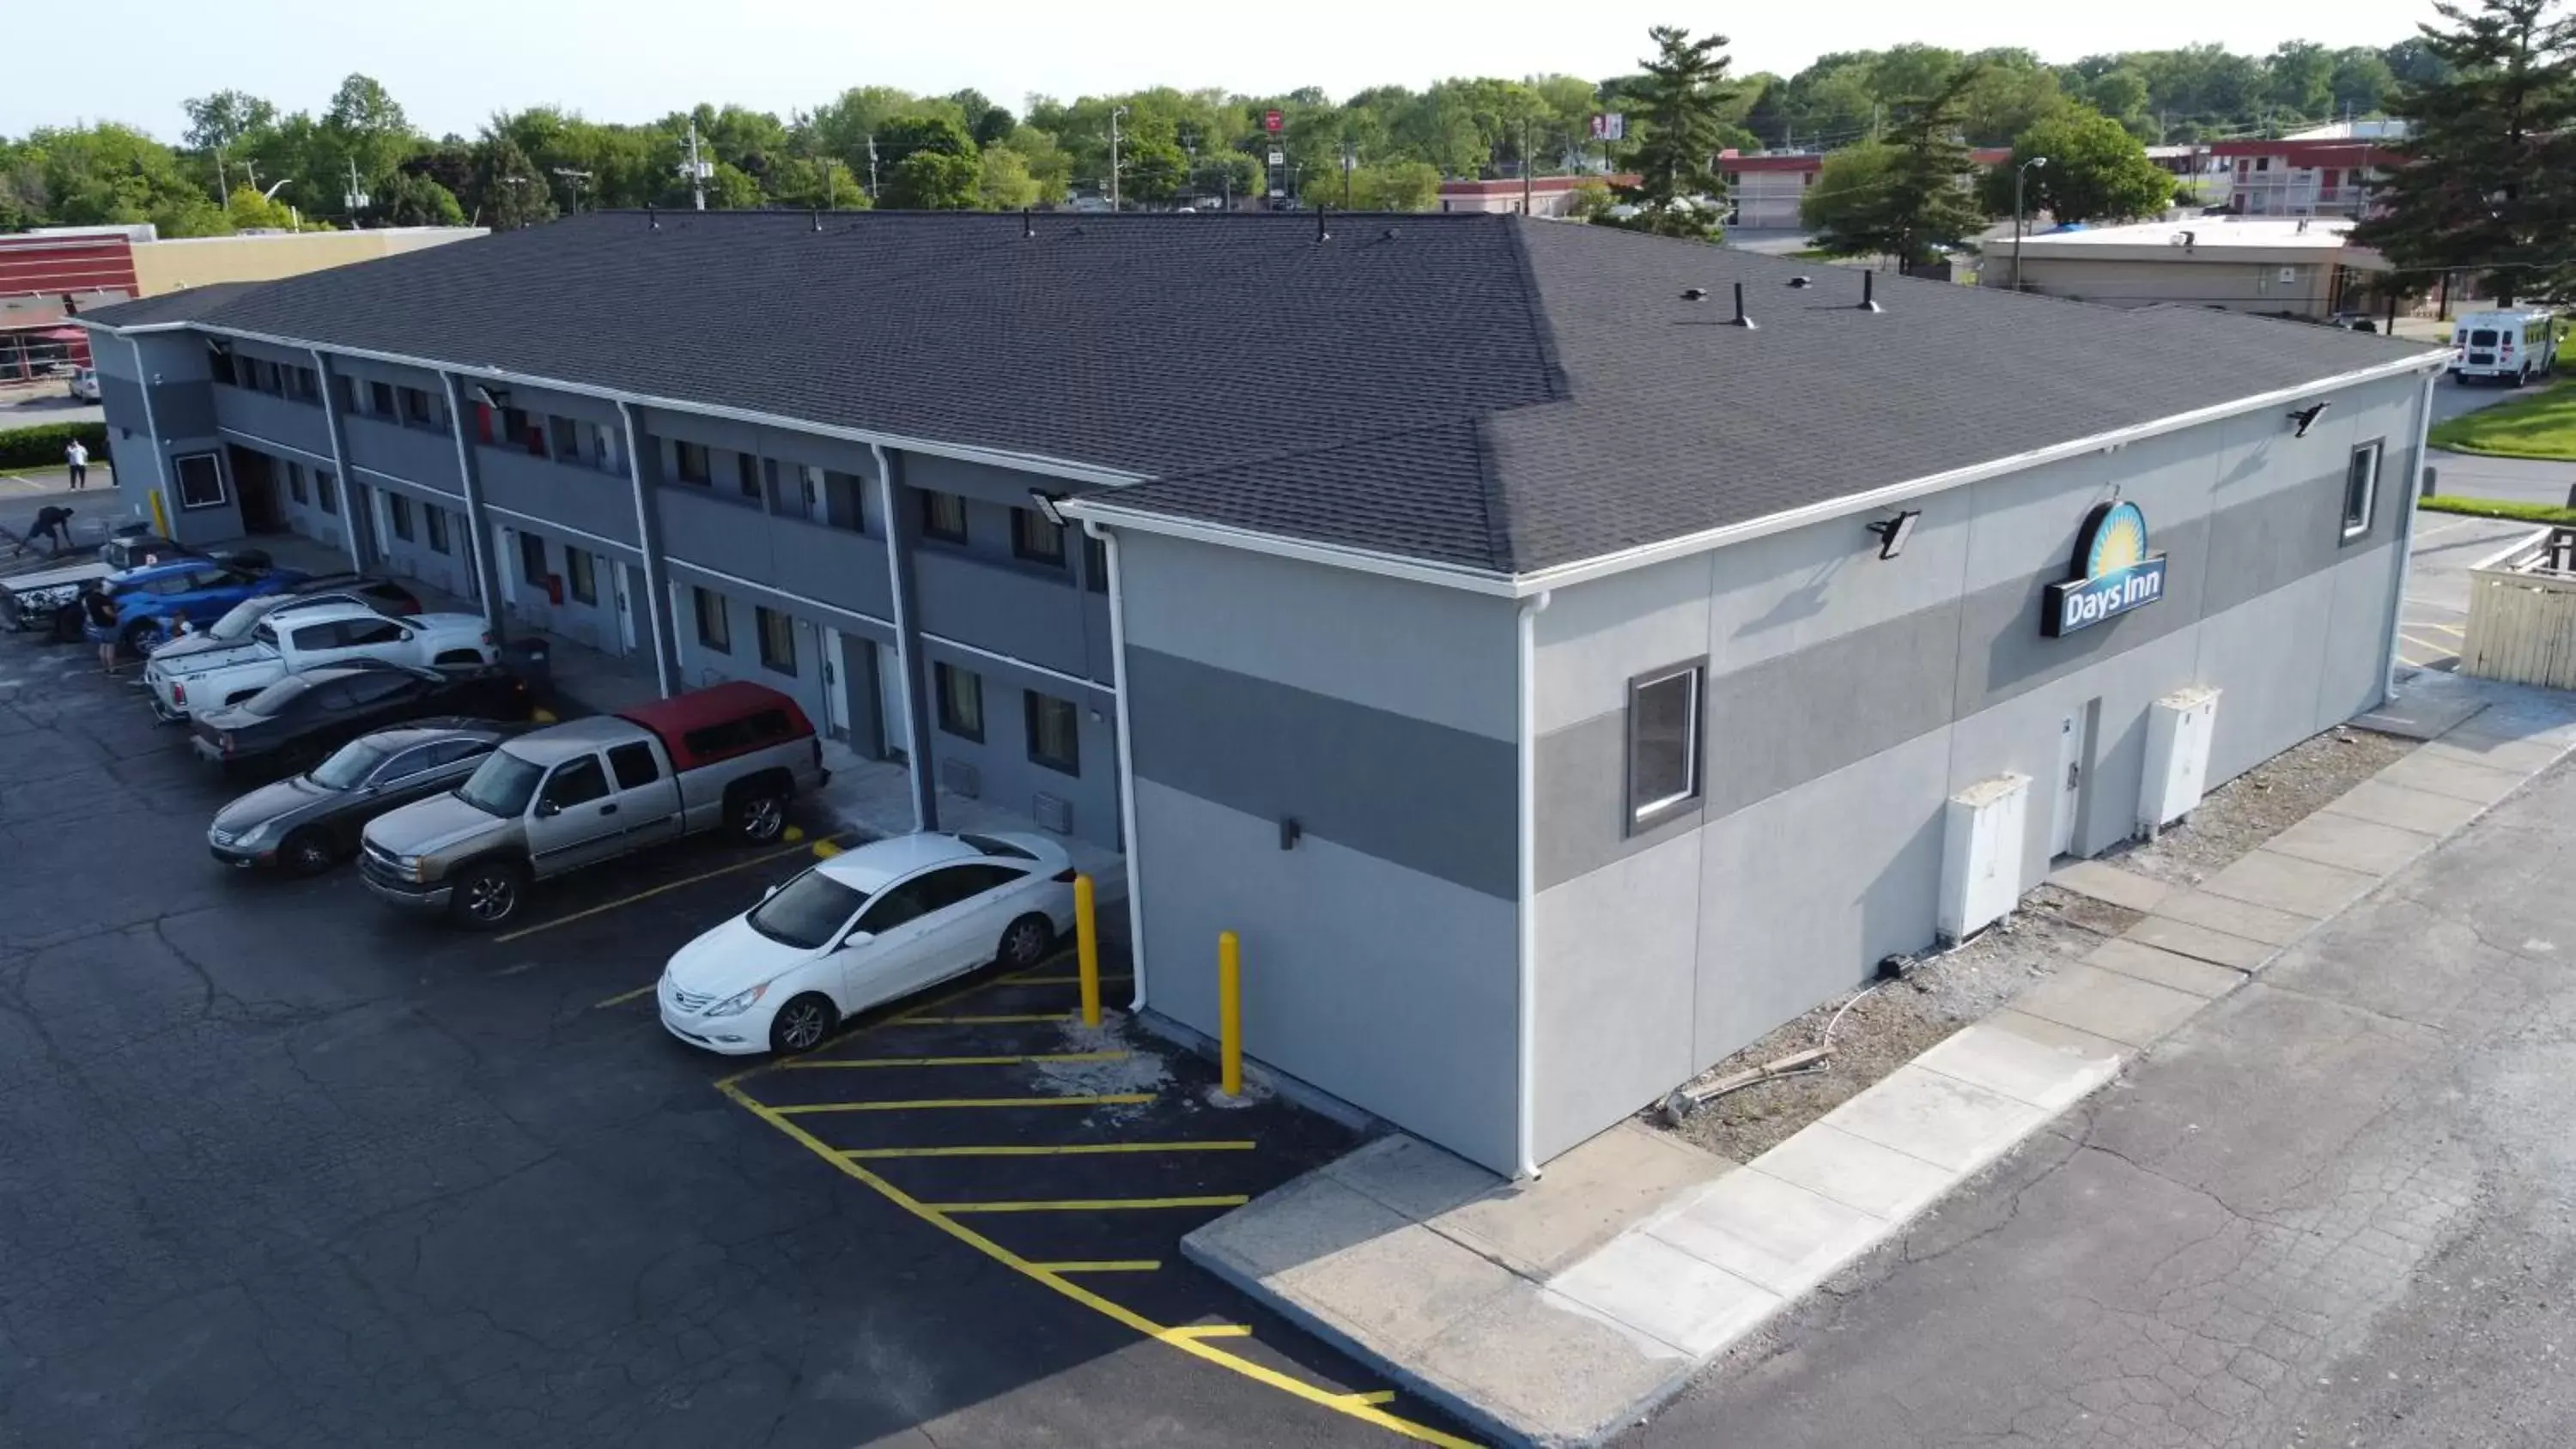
(1869, 291)
(1741, 320)
(1321, 234)
(818, 218)
(652, 218)
(1028, 224)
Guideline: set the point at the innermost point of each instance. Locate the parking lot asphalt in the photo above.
(284, 1167)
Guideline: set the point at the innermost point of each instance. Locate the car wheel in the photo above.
(1026, 942)
(306, 852)
(759, 816)
(137, 638)
(487, 895)
(67, 624)
(802, 1023)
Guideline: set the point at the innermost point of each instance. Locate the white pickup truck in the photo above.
(292, 640)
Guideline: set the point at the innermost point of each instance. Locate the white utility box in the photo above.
(2179, 727)
(1981, 848)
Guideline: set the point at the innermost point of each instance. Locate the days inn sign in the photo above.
(2112, 572)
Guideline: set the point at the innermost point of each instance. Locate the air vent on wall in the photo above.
(1051, 813)
(960, 778)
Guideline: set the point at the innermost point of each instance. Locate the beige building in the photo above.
(167, 266)
(2293, 267)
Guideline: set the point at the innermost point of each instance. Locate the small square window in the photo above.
(1035, 539)
(532, 558)
(437, 518)
(380, 399)
(2361, 489)
(943, 517)
(564, 435)
(581, 576)
(1663, 745)
(201, 481)
(715, 630)
(777, 640)
(960, 693)
(398, 508)
(691, 459)
(1055, 732)
(295, 488)
(326, 489)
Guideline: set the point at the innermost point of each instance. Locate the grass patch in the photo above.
(2541, 426)
(2500, 508)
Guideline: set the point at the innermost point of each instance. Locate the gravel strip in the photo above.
(1890, 1026)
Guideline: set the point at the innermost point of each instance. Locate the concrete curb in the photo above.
(1708, 1266)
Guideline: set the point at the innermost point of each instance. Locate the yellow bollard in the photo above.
(160, 520)
(1229, 1010)
(1086, 946)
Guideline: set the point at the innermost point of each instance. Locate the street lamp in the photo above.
(2021, 174)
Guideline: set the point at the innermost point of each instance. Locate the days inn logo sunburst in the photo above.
(2112, 572)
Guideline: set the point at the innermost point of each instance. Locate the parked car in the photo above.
(2509, 347)
(85, 384)
(298, 721)
(232, 631)
(306, 823)
(133, 608)
(43, 596)
(868, 926)
(556, 800)
(293, 640)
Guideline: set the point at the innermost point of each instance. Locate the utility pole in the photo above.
(697, 170)
(223, 188)
(872, 168)
(1525, 168)
(2021, 173)
(1350, 158)
(355, 196)
(573, 179)
(1114, 113)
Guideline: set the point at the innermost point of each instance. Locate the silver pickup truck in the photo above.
(573, 795)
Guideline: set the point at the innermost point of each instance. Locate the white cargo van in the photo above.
(2511, 347)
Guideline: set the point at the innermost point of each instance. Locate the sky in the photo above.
(632, 60)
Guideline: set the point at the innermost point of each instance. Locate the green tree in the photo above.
(1679, 192)
(1767, 118)
(2096, 171)
(2121, 94)
(513, 193)
(1919, 205)
(2486, 177)
(2298, 77)
(1395, 186)
(251, 211)
(412, 199)
(2362, 84)
(730, 188)
(1842, 208)
(1049, 167)
(934, 180)
(225, 118)
(368, 128)
(1151, 172)
(1591, 198)
(1005, 183)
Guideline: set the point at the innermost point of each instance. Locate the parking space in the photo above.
(287, 1167)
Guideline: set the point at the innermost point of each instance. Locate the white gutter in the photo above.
(2405, 533)
(259, 440)
(1126, 756)
(1521, 586)
(995, 457)
(1530, 609)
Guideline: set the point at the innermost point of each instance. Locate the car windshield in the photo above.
(502, 785)
(354, 762)
(237, 623)
(807, 910)
(270, 701)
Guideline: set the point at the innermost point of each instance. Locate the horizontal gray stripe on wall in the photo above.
(1421, 795)
(1784, 721)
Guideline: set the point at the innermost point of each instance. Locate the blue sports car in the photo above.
(134, 608)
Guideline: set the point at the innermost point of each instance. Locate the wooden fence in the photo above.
(2522, 612)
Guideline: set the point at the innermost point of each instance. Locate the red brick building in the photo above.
(46, 277)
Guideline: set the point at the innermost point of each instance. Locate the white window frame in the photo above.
(179, 482)
(1645, 815)
(2377, 451)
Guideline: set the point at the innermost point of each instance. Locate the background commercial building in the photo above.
(1466, 610)
(2278, 267)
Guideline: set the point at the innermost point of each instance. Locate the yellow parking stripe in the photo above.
(623, 997)
(981, 1020)
(1070, 1149)
(1111, 1099)
(1214, 1330)
(1373, 1396)
(644, 895)
(1089, 1204)
(1113, 1265)
(825, 1063)
(1052, 980)
(1340, 1402)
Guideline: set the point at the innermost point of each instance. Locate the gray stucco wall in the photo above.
(1848, 697)
(1380, 953)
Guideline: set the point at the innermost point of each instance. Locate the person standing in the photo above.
(78, 458)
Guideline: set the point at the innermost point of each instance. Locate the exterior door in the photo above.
(2069, 792)
(836, 694)
(896, 720)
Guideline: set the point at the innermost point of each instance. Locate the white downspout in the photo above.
(2406, 535)
(916, 753)
(1530, 609)
(1126, 755)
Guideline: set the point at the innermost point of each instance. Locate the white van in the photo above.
(2512, 347)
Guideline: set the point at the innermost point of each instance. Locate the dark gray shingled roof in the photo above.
(185, 305)
(1476, 390)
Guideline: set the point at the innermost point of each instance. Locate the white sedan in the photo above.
(863, 928)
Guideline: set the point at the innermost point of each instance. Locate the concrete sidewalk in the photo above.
(1557, 1311)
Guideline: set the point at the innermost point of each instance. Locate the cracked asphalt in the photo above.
(280, 1167)
(2333, 1210)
